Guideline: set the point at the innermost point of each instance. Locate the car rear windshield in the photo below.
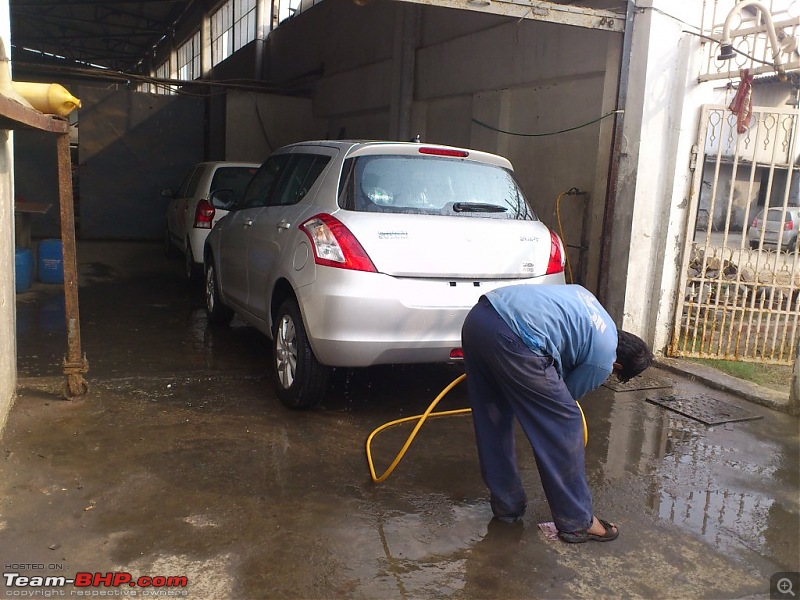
(432, 186)
(774, 214)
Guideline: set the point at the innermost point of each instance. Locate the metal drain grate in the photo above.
(635, 384)
(705, 409)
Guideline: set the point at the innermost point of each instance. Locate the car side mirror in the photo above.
(223, 199)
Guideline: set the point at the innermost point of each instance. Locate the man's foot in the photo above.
(510, 519)
(599, 531)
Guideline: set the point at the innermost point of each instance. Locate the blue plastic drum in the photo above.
(23, 269)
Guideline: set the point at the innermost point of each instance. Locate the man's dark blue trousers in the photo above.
(506, 379)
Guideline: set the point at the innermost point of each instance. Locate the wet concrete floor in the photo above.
(181, 462)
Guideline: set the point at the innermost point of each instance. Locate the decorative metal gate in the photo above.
(740, 279)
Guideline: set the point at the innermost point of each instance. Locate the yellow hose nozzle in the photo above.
(49, 98)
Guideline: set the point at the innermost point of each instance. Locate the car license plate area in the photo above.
(443, 293)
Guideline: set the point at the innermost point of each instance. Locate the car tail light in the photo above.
(457, 354)
(203, 215)
(334, 244)
(556, 262)
(443, 152)
(789, 225)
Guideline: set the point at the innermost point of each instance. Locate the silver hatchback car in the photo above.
(351, 254)
(779, 227)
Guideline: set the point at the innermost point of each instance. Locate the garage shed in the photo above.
(596, 103)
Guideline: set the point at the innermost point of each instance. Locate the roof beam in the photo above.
(538, 10)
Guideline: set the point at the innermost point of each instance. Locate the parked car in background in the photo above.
(351, 254)
(777, 228)
(191, 213)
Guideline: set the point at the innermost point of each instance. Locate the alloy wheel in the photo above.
(211, 289)
(286, 352)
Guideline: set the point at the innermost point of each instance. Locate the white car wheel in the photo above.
(168, 250)
(191, 271)
(216, 310)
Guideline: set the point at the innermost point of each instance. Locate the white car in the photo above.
(781, 226)
(191, 213)
(351, 254)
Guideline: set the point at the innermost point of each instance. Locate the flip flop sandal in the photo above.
(578, 537)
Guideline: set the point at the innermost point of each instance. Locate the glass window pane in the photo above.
(435, 186)
(301, 175)
(263, 184)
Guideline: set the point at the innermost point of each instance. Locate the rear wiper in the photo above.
(477, 207)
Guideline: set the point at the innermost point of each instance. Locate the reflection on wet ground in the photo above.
(182, 461)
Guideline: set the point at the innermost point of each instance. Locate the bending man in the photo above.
(530, 352)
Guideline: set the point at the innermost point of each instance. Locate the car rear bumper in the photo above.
(197, 237)
(357, 319)
(771, 239)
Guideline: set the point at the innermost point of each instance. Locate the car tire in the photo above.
(191, 269)
(216, 310)
(169, 250)
(300, 379)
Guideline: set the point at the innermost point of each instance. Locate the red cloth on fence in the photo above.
(742, 103)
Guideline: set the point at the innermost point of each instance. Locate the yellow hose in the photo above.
(421, 420)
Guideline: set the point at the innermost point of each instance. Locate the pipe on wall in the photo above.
(405, 57)
(609, 211)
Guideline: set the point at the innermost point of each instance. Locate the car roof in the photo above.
(779, 209)
(351, 147)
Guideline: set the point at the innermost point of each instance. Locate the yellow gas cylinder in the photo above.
(49, 98)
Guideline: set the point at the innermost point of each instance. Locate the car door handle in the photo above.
(284, 225)
(248, 222)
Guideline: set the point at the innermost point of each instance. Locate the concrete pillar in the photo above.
(662, 108)
(8, 306)
(403, 70)
(205, 45)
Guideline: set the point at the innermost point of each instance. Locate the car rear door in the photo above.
(236, 228)
(274, 234)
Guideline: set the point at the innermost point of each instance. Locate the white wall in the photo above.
(8, 334)
(661, 123)
(257, 124)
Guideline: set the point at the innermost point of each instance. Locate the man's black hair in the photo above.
(633, 355)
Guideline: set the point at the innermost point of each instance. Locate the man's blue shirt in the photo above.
(565, 322)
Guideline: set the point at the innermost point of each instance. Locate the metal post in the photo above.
(609, 214)
(794, 390)
(74, 364)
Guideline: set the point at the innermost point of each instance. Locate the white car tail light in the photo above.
(203, 215)
(557, 257)
(334, 244)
